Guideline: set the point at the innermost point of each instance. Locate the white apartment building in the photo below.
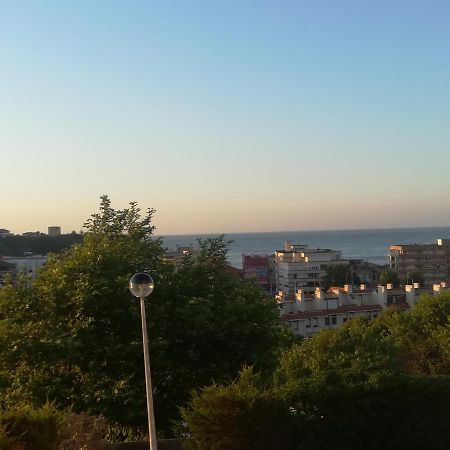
(26, 265)
(307, 314)
(298, 266)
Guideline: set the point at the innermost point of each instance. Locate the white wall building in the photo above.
(306, 314)
(298, 266)
(26, 265)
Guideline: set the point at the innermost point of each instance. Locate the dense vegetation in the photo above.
(73, 335)
(38, 245)
(368, 385)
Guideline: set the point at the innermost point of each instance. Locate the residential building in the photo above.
(298, 266)
(257, 266)
(6, 268)
(308, 313)
(26, 265)
(54, 231)
(432, 261)
(180, 253)
(4, 233)
(32, 234)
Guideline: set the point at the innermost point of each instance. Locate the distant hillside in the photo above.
(38, 245)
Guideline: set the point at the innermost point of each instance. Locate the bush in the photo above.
(240, 416)
(82, 432)
(9, 443)
(29, 428)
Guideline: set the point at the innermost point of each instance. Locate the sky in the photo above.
(226, 116)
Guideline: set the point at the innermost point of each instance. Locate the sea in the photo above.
(370, 245)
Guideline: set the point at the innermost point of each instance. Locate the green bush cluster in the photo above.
(374, 385)
(26, 427)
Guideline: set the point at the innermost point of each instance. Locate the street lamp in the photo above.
(141, 285)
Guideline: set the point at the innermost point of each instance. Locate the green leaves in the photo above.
(74, 335)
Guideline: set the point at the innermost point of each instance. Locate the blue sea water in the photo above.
(371, 245)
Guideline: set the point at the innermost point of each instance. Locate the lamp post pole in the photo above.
(141, 285)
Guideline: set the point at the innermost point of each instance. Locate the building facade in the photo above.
(54, 231)
(306, 314)
(257, 266)
(298, 266)
(432, 261)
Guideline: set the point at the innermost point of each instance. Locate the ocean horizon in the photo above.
(368, 244)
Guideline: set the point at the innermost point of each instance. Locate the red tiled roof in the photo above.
(327, 312)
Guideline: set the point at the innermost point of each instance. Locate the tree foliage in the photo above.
(339, 275)
(73, 335)
(244, 415)
(366, 385)
(388, 275)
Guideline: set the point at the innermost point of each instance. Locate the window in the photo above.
(344, 319)
(333, 320)
(315, 322)
(308, 323)
(327, 320)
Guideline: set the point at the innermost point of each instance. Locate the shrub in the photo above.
(30, 428)
(82, 432)
(240, 416)
(9, 443)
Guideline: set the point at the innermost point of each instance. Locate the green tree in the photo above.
(388, 275)
(73, 335)
(339, 275)
(415, 277)
(371, 385)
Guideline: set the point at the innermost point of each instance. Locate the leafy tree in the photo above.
(73, 335)
(339, 275)
(388, 275)
(379, 384)
(415, 277)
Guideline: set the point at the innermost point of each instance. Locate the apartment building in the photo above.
(257, 266)
(306, 314)
(432, 261)
(298, 266)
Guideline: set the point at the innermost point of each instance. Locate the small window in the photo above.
(333, 320)
(327, 320)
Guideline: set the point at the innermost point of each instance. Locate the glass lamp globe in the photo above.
(141, 284)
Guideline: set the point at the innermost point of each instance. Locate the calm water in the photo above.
(371, 245)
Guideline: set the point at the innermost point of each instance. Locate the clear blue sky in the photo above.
(226, 115)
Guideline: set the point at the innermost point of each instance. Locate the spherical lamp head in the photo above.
(141, 284)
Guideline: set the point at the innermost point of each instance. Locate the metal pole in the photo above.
(148, 381)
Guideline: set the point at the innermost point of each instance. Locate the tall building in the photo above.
(298, 266)
(432, 261)
(54, 231)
